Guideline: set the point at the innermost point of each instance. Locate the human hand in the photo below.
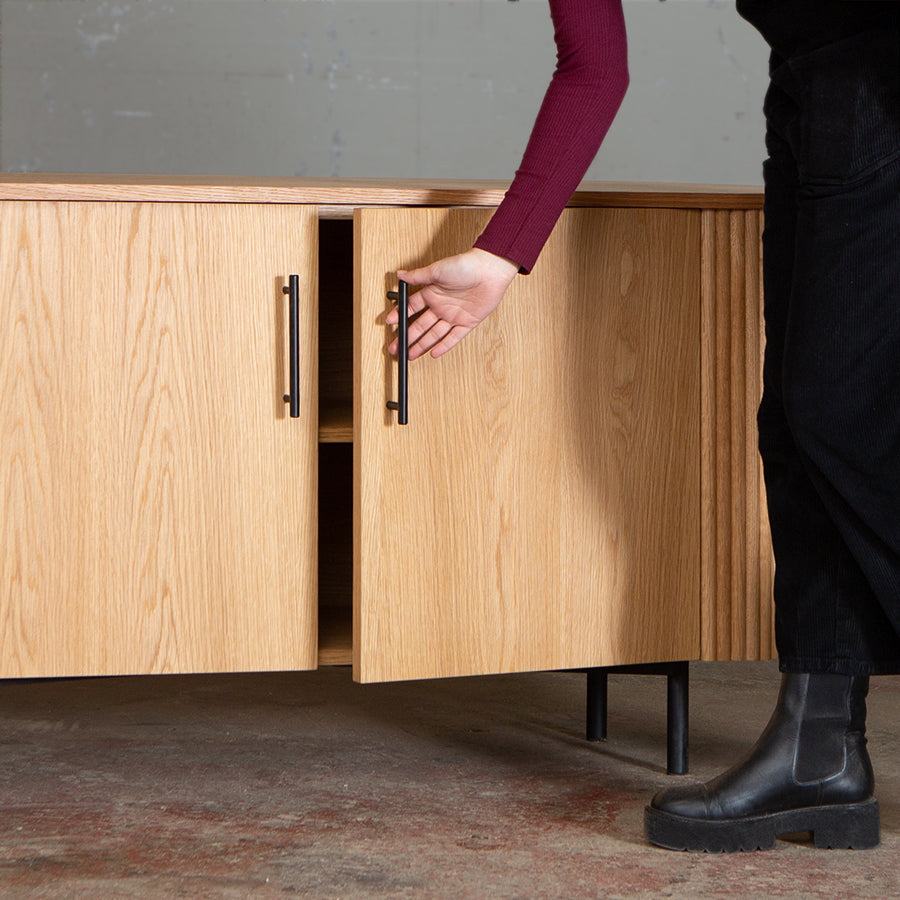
(456, 293)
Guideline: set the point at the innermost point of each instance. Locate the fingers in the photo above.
(429, 339)
(424, 332)
(450, 340)
(416, 303)
(421, 325)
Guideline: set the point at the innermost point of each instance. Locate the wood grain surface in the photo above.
(738, 567)
(337, 193)
(542, 508)
(157, 505)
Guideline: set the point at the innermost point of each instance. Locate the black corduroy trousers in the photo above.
(829, 421)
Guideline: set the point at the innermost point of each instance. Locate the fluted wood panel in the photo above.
(157, 506)
(541, 509)
(737, 566)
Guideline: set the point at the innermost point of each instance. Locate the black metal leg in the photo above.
(597, 680)
(677, 707)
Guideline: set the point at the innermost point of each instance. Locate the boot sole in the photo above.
(854, 826)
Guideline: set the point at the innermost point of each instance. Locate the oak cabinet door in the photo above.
(541, 508)
(158, 503)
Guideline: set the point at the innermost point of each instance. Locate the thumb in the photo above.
(416, 276)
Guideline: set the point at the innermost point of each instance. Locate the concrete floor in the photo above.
(310, 785)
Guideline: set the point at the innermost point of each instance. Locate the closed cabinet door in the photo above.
(158, 501)
(541, 508)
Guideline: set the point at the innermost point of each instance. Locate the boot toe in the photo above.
(689, 800)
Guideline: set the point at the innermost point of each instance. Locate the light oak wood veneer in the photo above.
(578, 485)
(338, 197)
(541, 510)
(157, 507)
(738, 567)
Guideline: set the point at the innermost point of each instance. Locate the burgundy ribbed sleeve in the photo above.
(583, 97)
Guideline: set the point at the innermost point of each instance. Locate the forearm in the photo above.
(583, 97)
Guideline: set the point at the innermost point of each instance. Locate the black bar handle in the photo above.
(401, 404)
(293, 288)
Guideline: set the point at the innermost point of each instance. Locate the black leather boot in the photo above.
(809, 771)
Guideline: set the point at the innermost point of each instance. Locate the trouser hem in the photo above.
(853, 667)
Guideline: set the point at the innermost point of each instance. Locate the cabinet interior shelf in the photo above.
(335, 636)
(335, 425)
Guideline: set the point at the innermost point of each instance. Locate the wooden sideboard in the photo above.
(578, 484)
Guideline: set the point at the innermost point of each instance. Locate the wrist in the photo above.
(499, 265)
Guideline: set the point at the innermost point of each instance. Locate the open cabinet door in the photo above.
(158, 503)
(541, 508)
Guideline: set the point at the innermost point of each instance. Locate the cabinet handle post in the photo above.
(401, 404)
(293, 289)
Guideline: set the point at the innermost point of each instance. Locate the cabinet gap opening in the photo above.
(335, 330)
(335, 442)
(335, 554)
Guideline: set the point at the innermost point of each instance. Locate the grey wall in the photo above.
(360, 88)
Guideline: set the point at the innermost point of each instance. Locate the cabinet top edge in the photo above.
(352, 192)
